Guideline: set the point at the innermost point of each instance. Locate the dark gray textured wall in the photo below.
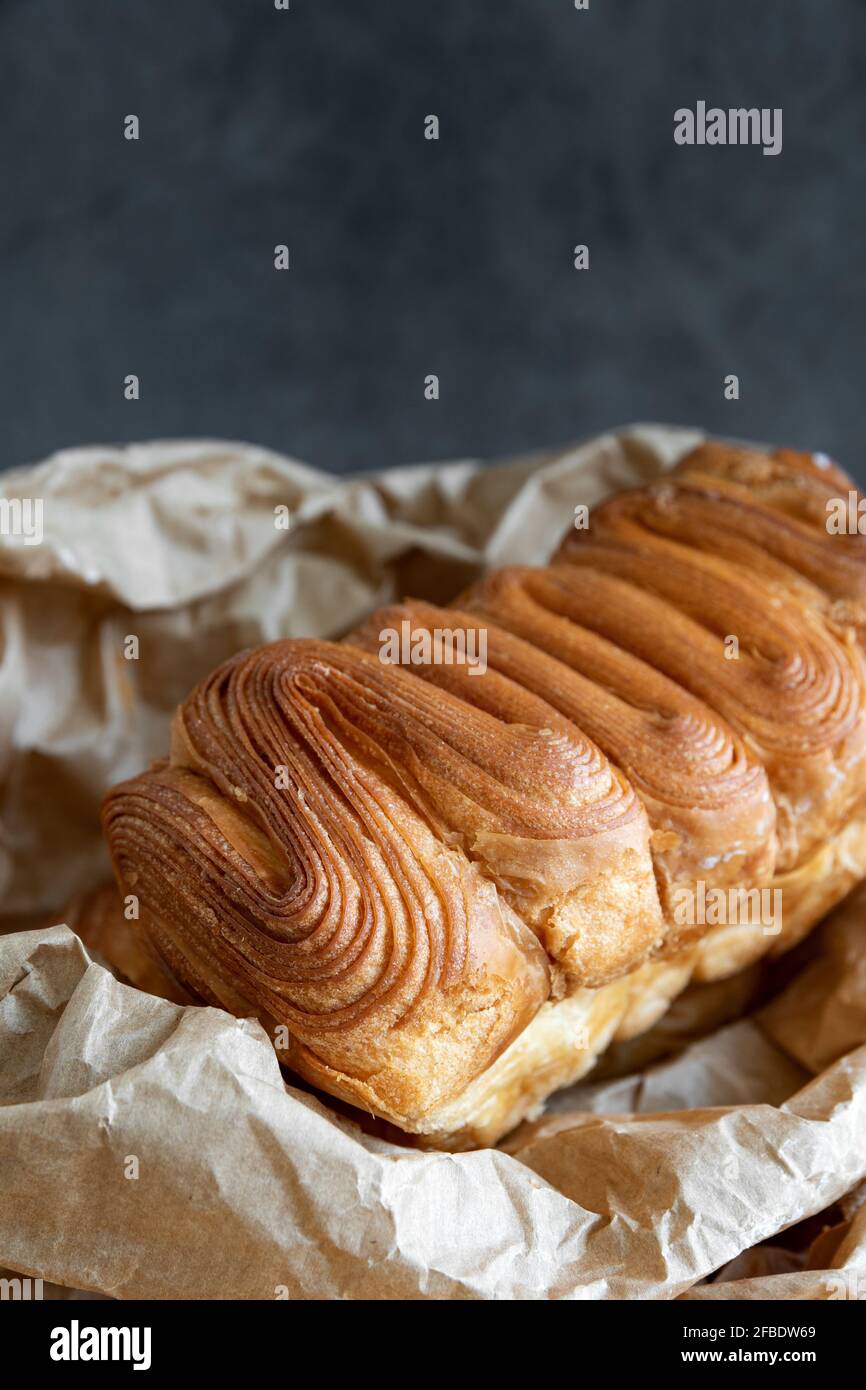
(408, 256)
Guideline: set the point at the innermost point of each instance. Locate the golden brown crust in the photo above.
(563, 1042)
(706, 794)
(591, 897)
(798, 484)
(452, 889)
(790, 687)
(279, 870)
(767, 513)
(772, 513)
(565, 1039)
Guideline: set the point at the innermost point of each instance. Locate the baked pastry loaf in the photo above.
(445, 886)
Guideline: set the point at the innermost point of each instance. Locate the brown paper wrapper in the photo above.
(155, 1150)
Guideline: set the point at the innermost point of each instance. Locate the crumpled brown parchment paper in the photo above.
(152, 1150)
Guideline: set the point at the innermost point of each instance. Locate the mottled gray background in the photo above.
(411, 257)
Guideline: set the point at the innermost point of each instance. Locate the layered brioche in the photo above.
(446, 886)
